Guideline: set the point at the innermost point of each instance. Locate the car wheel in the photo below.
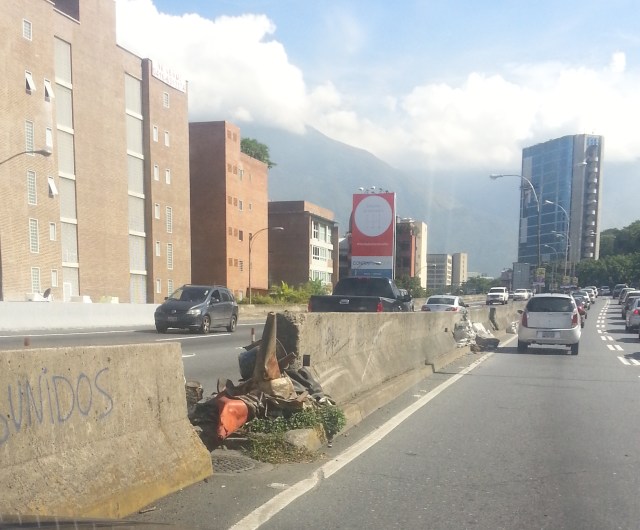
(161, 329)
(205, 327)
(522, 346)
(574, 348)
(232, 324)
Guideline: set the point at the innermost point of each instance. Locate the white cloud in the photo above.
(237, 70)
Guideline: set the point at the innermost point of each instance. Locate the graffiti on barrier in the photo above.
(53, 399)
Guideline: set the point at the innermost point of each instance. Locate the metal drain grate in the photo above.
(231, 463)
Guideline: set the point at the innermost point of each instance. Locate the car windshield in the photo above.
(550, 304)
(190, 294)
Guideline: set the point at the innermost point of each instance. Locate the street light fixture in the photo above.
(566, 234)
(535, 196)
(42, 152)
(252, 238)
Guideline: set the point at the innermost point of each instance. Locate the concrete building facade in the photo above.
(411, 250)
(440, 268)
(91, 219)
(307, 248)
(229, 215)
(459, 269)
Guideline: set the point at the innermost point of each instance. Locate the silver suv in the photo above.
(550, 319)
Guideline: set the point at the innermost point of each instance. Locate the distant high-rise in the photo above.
(565, 173)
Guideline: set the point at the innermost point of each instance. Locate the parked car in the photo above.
(521, 294)
(444, 303)
(632, 320)
(550, 319)
(627, 301)
(198, 308)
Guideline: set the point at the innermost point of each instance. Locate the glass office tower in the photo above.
(565, 173)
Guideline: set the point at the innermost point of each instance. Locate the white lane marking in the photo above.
(65, 334)
(599, 331)
(188, 355)
(636, 362)
(603, 337)
(624, 361)
(270, 508)
(195, 337)
(609, 337)
(610, 346)
(618, 347)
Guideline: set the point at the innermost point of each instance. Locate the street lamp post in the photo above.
(535, 196)
(566, 234)
(252, 238)
(41, 152)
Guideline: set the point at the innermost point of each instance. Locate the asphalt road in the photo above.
(206, 357)
(540, 439)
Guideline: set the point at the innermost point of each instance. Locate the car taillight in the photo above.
(379, 309)
(524, 323)
(575, 320)
(451, 309)
(636, 311)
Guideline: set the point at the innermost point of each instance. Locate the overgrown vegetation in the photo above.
(266, 436)
(257, 150)
(286, 294)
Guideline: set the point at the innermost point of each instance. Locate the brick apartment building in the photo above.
(307, 248)
(411, 250)
(228, 207)
(107, 214)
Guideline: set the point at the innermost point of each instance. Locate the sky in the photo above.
(441, 85)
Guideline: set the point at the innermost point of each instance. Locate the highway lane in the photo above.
(206, 358)
(540, 439)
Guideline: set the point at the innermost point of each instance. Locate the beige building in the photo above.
(107, 214)
(440, 268)
(459, 269)
(228, 210)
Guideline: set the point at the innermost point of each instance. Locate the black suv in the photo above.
(198, 308)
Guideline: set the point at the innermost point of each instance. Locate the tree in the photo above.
(412, 285)
(257, 150)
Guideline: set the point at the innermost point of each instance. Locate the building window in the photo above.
(34, 240)
(166, 138)
(240, 235)
(241, 265)
(230, 230)
(54, 277)
(30, 85)
(229, 200)
(240, 173)
(158, 286)
(158, 248)
(250, 206)
(167, 176)
(169, 219)
(53, 232)
(156, 211)
(35, 280)
(316, 229)
(230, 262)
(170, 287)
(48, 135)
(48, 90)
(240, 205)
(235, 201)
(156, 172)
(165, 100)
(32, 196)
(170, 256)
(28, 136)
(155, 133)
(27, 32)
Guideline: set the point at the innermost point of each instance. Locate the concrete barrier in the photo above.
(95, 431)
(354, 353)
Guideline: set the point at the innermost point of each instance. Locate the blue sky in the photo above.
(456, 88)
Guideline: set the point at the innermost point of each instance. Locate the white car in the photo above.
(498, 295)
(521, 294)
(444, 303)
(550, 319)
(632, 319)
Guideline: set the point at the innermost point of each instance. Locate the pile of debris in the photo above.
(475, 335)
(268, 388)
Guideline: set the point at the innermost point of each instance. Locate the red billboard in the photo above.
(373, 234)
